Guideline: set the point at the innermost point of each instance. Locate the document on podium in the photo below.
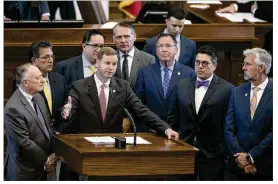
(239, 17)
(111, 140)
(203, 2)
(139, 140)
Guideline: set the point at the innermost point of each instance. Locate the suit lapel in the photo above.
(111, 101)
(44, 111)
(246, 101)
(268, 91)
(53, 86)
(191, 89)
(135, 64)
(174, 78)
(183, 47)
(118, 72)
(157, 78)
(92, 88)
(210, 90)
(79, 68)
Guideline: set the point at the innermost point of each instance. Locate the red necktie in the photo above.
(102, 101)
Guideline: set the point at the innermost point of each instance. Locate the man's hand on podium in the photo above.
(66, 109)
(171, 134)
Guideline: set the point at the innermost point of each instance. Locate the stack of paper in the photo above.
(239, 17)
(111, 140)
(203, 2)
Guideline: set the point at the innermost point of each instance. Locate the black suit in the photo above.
(28, 145)
(86, 108)
(207, 125)
(71, 69)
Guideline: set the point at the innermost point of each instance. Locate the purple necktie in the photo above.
(201, 83)
(102, 101)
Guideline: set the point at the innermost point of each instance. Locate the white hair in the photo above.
(262, 57)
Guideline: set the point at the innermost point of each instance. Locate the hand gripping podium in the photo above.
(162, 157)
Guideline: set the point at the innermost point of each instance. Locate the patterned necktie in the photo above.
(38, 112)
(47, 95)
(253, 102)
(92, 69)
(102, 101)
(125, 67)
(201, 83)
(166, 81)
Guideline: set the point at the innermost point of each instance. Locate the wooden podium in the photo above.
(162, 157)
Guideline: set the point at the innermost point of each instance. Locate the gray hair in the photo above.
(262, 57)
(21, 73)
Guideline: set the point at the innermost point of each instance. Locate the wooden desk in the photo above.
(162, 157)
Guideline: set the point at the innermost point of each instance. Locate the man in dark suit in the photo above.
(82, 66)
(131, 60)
(95, 101)
(156, 83)
(37, 10)
(28, 128)
(55, 89)
(66, 8)
(249, 121)
(199, 110)
(174, 24)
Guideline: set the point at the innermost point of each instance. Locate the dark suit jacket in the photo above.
(150, 90)
(187, 50)
(86, 108)
(28, 146)
(26, 12)
(71, 69)
(140, 60)
(208, 124)
(252, 136)
(264, 11)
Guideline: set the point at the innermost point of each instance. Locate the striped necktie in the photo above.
(47, 94)
(92, 70)
(253, 102)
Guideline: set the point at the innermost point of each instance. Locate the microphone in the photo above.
(128, 115)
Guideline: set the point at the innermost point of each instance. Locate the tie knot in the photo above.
(103, 86)
(201, 83)
(125, 56)
(34, 99)
(166, 69)
(256, 89)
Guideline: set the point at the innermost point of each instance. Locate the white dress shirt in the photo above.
(86, 68)
(129, 59)
(262, 86)
(178, 39)
(106, 89)
(200, 93)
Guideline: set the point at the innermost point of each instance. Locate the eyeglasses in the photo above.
(47, 58)
(202, 63)
(167, 46)
(95, 46)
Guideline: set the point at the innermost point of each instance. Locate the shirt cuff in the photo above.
(166, 131)
(236, 7)
(46, 14)
(251, 158)
(254, 11)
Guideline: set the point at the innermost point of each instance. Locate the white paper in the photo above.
(239, 17)
(139, 140)
(100, 140)
(109, 25)
(203, 2)
(187, 22)
(199, 6)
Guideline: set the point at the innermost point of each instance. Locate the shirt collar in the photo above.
(208, 79)
(262, 85)
(99, 83)
(177, 37)
(85, 61)
(26, 95)
(170, 67)
(131, 53)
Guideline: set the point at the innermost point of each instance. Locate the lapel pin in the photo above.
(114, 90)
(179, 73)
(246, 94)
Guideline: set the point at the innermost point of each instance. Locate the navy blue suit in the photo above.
(187, 50)
(149, 88)
(251, 136)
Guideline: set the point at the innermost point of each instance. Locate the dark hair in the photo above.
(108, 51)
(165, 35)
(177, 13)
(210, 51)
(34, 50)
(87, 36)
(124, 24)
(20, 72)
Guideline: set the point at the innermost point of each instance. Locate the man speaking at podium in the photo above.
(96, 102)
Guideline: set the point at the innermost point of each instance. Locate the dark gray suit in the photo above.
(28, 146)
(140, 60)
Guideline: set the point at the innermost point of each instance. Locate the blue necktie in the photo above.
(38, 111)
(166, 81)
(201, 83)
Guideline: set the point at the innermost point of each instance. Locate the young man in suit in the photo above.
(174, 25)
(156, 83)
(131, 60)
(84, 65)
(249, 121)
(28, 128)
(199, 110)
(55, 90)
